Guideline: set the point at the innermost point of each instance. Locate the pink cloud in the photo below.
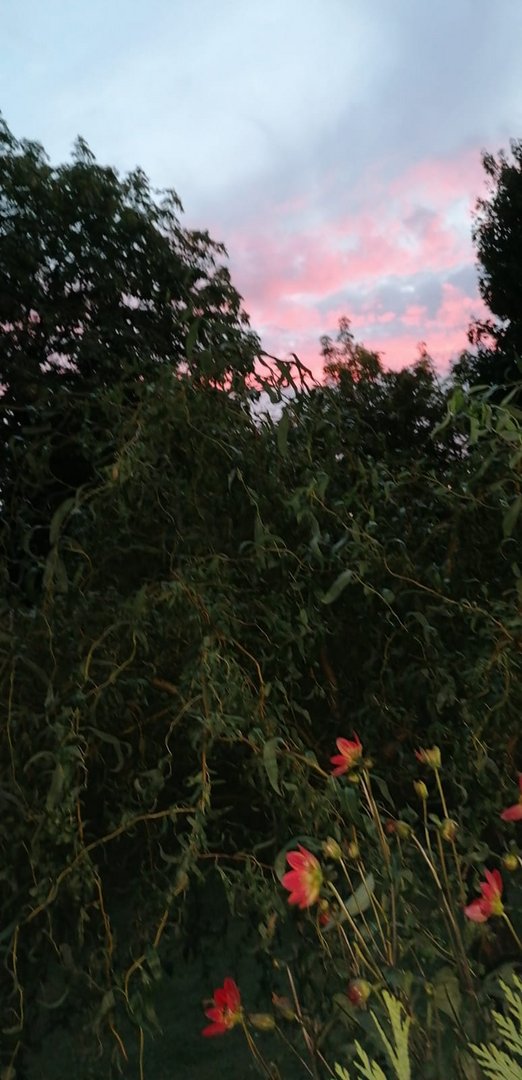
(418, 226)
(441, 181)
(414, 315)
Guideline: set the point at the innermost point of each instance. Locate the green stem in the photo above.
(374, 812)
(376, 913)
(255, 1052)
(452, 842)
(441, 793)
(390, 946)
(366, 956)
(306, 1036)
(355, 955)
(293, 1049)
(512, 930)
(453, 926)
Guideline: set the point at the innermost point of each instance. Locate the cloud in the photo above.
(401, 268)
(333, 146)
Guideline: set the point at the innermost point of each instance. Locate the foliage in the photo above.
(498, 238)
(196, 612)
(502, 1064)
(396, 411)
(397, 1052)
(104, 288)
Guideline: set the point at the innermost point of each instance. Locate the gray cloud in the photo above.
(274, 119)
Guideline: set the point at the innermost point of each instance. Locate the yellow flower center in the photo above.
(314, 882)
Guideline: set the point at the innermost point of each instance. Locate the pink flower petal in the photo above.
(341, 766)
(493, 886)
(513, 813)
(214, 1014)
(232, 991)
(475, 911)
(214, 1029)
(296, 860)
(344, 746)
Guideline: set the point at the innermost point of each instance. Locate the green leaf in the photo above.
(383, 788)
(511, 516)
(58, 518)
(446, 993)
(270, 763)
(338, 587)
(361, 899)
(55, 573)
(356, 904)
(282, 433)
(56, 788)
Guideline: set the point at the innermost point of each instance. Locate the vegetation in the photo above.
(197, 602)
(498, 235)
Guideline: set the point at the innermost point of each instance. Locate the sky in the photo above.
(334, 146)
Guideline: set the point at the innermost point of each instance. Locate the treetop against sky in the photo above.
(334, 147)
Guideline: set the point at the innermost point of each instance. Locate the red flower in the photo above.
(490, 903)
(350, 751)
(305, 878)
(514, 813)
(226, 1011)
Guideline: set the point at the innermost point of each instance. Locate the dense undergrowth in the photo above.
(191, 620)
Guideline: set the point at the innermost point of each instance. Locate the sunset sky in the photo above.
(333, 145)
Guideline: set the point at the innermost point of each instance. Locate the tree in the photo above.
(102, 282)
(348, 360)
(219, 599)
(385, 413)
(102, 288)
(497, 234)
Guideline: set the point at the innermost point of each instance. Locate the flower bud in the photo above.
(421, 789)
(262, 1021)
(429, 757)
(284, 1007)
(448, 829)
(352, 850)
(324, 912)
(358, 992)
(511, 861)
(331, 849)
(402, 829)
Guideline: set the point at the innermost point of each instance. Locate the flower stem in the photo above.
(360, 868)
(374, 813)
(365, 954)
(255, 1052)
(512, 930)
(453, 925)
(452, 842)
(306, 1036)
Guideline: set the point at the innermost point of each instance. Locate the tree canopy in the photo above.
(193, 614)
(497, 233)
(101, 288)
